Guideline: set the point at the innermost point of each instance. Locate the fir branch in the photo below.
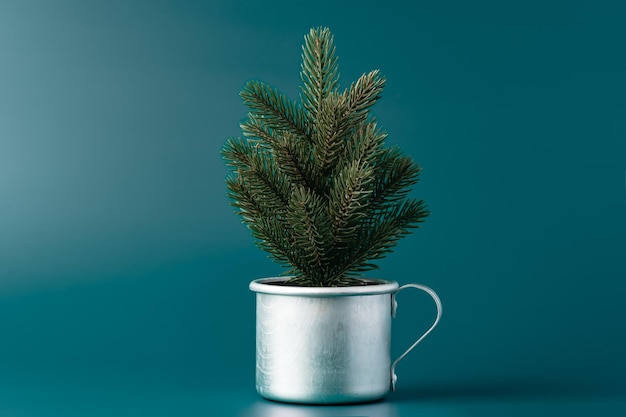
(254, 128)
(292, 155)
(257, 170)
(379, 236)
(236, 153)
(313, 180)
(396, 173)
(348, 203)
(320, 70)
(275, 237)
(268, 226)
(341, 113)
(362, 95)
(364, 144)
(307, 217)
(276, 110)
(294, 158)
(329, 133)
(249, 205)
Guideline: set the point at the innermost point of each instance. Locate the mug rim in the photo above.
(264, 286)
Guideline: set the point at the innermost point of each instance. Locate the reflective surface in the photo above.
(122, 394)
(269, 409)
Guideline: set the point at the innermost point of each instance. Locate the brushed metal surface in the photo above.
(327, 345)
(323, 349)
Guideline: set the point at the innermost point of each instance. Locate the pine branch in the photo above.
(307, 216)
(320, 70)
(339, 114)
(268, 225)
(364, 143)
(329, 133)
(249, 205)
(276, 110)
(396, 173)
(313, 180)
(274, 236)
(258, 171)
(254, 128)
(348, 203)
(294, 158)
(362, 95)
(292, 155)
(380, 235)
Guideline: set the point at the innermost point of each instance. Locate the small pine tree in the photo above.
(313, 180)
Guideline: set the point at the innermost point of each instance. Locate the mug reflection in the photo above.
(275, 409)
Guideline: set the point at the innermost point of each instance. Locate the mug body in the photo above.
(323, 345)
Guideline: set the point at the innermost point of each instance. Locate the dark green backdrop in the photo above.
(123, 272)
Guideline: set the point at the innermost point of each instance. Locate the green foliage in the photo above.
(313, 180)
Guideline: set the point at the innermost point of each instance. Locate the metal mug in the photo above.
(321, 345)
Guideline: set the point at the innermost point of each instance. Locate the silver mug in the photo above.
(321, 345)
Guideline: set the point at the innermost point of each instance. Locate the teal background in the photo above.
(124, 272)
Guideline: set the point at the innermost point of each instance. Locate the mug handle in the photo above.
(394, 306)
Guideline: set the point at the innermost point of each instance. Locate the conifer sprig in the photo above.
(313, 180)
